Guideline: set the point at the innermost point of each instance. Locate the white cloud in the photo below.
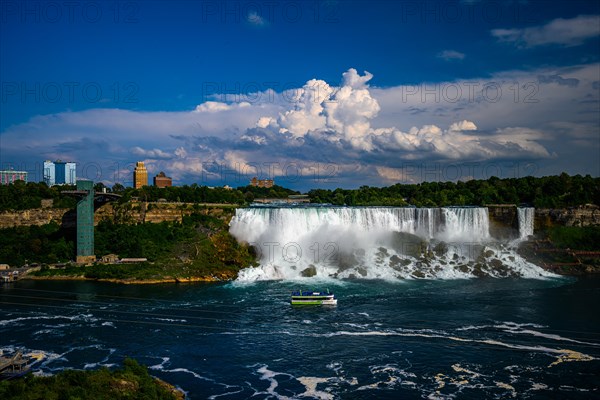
(463, 125)
(450, 55)
(345, 111)
(365, 133)
(560, 31)
(154, 153)
(255, 19)
(216, 106)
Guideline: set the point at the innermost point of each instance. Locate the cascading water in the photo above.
(375, 243)
(525, 216)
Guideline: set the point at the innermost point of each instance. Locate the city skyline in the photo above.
(311, 94)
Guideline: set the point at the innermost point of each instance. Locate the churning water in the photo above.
(402, 339)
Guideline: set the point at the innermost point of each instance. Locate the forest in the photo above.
(544, 192)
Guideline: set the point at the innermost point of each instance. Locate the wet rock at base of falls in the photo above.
(407, 244)
(440, 249)
(418, 274)
(346, 261)
(488, 253)
(362, 271)
(479, 270)
(309, 272)
(396, 261)
(462, 268)
(382, 252)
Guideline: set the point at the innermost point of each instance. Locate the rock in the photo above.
(462, 268)
(418, 274)
(407, 244)
(345, 261)
(440, 249)
(309, 272)
(478, 270)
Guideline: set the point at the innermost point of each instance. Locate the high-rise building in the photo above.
(60, 173)
(10, 176)
(161, 180)
(140, 175)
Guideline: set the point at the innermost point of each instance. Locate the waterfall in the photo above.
(525, 216)
(374, 242)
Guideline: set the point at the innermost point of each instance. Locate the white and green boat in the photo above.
(300, 298)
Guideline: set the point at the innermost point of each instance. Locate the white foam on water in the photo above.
(78, 317)
(310, 384)
(268, 375)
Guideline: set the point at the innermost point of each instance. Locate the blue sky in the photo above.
(312, 93)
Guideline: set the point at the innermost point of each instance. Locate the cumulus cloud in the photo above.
(346, 131)
(344, 110)
(560, 31)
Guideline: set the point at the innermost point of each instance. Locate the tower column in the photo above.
(85, 223)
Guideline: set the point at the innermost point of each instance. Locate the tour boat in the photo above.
(300, 298)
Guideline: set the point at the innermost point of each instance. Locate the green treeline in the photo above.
(130, 382)
(37, 244)
(23, 196)
(546, 192)
(200, 194)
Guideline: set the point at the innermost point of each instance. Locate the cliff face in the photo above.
(130, 213)
(587, 215)
(137, 213)
(503, 219)
(36, 216)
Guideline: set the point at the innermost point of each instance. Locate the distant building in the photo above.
(60, 173)
(109, 259)
(133, 260)
(266, 183)
(10, 176)
(161, 180)
(140, 175)
(227, 187)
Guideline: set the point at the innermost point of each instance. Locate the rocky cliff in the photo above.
(36, 216)
(130, 213)
(587, 215)
(504, 219)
